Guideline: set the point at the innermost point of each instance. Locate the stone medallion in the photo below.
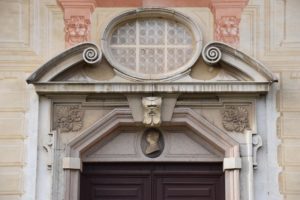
(152, 143)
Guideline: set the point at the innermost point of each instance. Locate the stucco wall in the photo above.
(33, 31)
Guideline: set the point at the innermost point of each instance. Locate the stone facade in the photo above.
(35, 31)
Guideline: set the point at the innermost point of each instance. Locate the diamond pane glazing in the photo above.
(152, 45)
(151, 60)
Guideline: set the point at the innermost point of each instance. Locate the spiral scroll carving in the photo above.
(211, 55)
(91, 55)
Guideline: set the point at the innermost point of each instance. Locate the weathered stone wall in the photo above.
(270, 32)
(33, 31)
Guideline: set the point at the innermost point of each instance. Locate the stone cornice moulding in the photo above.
(77, 16)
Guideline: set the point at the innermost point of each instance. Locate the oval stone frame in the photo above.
(149, 13)
(160, 144)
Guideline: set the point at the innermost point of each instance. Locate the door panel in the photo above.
(155, 181)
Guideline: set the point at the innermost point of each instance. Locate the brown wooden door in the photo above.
(152, 181)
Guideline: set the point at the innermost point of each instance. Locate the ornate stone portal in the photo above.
(100, 107)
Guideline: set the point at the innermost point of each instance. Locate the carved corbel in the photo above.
(257, 143)
(152, 111)
(49, 147)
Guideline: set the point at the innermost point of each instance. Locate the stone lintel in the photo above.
(229, 87)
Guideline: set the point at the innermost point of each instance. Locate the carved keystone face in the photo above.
(152, 115)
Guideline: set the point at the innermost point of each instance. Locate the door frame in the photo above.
(119, 118)
(152, 175)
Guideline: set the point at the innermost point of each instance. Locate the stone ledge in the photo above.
(184, 87)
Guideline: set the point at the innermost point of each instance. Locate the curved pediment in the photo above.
(84, 52)
(216, 52)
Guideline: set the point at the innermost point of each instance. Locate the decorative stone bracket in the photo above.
(50, 147)
(257, 143)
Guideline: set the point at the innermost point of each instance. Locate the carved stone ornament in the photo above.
(235, 118)
(49, 147)
(152, 143)
(91, 55)
(152, 111)
(257, 143)
(211, 54)
(77, 30)
(68, 118)
(227, 29)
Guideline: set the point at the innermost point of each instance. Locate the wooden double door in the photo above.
(152, 181)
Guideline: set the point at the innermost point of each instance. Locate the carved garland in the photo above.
(68, 118)
(235, 118)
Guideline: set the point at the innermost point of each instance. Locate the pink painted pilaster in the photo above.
(227, 16)
(77, 16)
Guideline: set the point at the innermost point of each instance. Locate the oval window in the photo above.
(155, 46)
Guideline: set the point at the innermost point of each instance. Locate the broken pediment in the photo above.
(220, 68)
(84, 72)
(170, 59)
